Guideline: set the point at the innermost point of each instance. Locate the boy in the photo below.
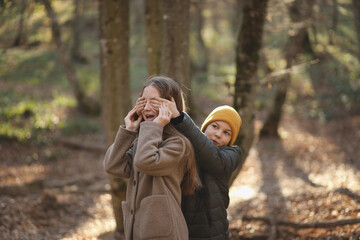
(205, 211)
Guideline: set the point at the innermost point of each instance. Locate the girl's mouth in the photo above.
(215, 142)
(149, 117)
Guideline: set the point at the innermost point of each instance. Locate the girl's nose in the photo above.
(147, 105)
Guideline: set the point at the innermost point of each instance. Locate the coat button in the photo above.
(134, 182)
(132, 211)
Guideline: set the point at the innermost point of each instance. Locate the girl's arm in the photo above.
(118, 159)
(154, 156)
(218, 161)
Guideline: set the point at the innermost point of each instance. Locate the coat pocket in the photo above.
(155, 217)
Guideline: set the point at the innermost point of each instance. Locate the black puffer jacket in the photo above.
(205, 211)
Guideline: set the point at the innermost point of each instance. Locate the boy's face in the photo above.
(219, 132)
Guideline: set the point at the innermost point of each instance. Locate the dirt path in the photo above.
(307, 176)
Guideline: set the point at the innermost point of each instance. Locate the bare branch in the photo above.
(274, 76)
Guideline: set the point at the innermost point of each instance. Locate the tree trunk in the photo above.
(270, 127)
(334, 22)
(115, 84)
(20, 38)
(76, 31)
(200, 56)
(154, 35)
(175, 61)
(297, 43)
(247, 57)
(85, 104)
(356, 9)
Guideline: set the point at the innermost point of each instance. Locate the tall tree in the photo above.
(154, 35)
(175, 61)
(115, 85)
(20, 38)
(76, 53)
(334, 21)
(200, 56)
(298, 42)
(249, 44)
(85, 104)
(356, 9)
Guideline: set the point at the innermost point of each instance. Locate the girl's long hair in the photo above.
(168, 88)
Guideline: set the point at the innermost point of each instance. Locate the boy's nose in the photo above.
(217, 133)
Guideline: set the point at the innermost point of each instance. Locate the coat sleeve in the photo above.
(154, 156)
(218, 161)
(118, 158)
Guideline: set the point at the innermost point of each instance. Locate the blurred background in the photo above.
(302, 153)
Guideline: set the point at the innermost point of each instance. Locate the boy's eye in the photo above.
(214, 126)
(227, 133)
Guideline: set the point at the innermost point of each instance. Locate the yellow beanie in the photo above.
(227, 114)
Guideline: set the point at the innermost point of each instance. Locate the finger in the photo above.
(168, 112)
(165, 109)
(132, 111)
(139, 119)
(155, 104)
(156, 101)
(140, 103)
(130, 114)
(140, 99)
(160, 99)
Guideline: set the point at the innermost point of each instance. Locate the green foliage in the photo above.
(22, 118)
(32, 67)
(34, 91)
(79, 124)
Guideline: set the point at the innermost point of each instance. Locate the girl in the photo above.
(205, 211)
(160, 165)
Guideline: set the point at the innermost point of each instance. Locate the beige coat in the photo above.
(155, 169)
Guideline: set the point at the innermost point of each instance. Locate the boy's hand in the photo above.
(130, 122)
(164, 116)
(156, 103)
(140, 104)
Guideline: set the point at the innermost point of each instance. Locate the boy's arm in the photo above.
(118, 158)
(218, 161)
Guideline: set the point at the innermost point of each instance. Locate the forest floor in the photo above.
(309, 175)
